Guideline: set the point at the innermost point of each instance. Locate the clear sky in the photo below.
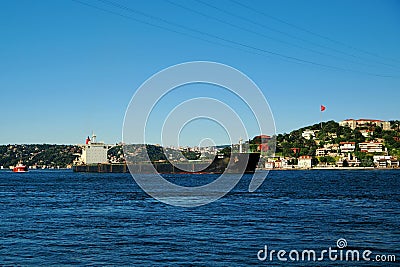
(69, 67)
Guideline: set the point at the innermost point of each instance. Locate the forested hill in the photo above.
(40, 155)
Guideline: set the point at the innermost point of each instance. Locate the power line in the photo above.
(260, 34)
(161, 27)
(290, 35)
(295, 59)
(311, 32)
(215, 36)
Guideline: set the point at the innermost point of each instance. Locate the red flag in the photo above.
(87, 140)
(323, 108)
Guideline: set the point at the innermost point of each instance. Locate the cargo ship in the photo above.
(94, 159)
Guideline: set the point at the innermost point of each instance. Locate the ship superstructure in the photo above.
(93, 152)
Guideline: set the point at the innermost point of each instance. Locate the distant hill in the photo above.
(38, 155)
(330, 132)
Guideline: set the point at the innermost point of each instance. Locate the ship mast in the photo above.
(93, 137)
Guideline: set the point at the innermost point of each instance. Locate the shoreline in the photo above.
(330, 168)
(277, 169)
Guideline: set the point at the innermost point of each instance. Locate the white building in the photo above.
(386, 162)
(308, 134)
(378, 158)
(269, 165)
(285, 164)
(385, 125)
(367, 133)
(328, 150)
(274, 163)
(346, 147)
(93, 152)
(321, 152)
(350, 162)
(304, 162)
(371, 147)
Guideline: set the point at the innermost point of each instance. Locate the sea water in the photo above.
(65, 218)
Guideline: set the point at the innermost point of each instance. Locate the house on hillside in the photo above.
(371, 147)
(308, 134)
(346, 147)
(321, 152)
(385, 125)
(367, 133)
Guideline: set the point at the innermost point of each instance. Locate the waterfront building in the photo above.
(350, 162)
(269, 165)
(394, 163)
(304, 162)
(386, 162)
(377, 158)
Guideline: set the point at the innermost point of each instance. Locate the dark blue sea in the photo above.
(61, 218)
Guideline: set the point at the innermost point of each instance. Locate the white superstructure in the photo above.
(93, 152)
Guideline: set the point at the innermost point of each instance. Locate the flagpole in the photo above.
(320, 118)
(322, 109)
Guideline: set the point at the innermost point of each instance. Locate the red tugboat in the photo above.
(20, 168)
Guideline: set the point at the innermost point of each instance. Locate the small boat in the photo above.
(20, 168)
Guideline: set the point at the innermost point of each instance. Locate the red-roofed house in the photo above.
(262, 141)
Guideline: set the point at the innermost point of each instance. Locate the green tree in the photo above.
(226, 151)
(345, 163)
(378, 132)
(191, 155)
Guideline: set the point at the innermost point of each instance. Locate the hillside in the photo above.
(329, 142)
(39, 155)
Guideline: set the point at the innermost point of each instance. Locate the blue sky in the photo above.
(67, 68)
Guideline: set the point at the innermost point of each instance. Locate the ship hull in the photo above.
(240, 163)
(20, 169)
